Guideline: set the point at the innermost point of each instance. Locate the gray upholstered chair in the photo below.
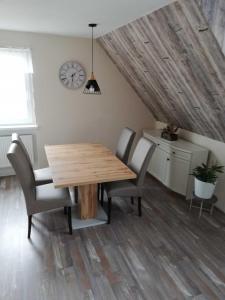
(132, 188)
(122, 151)
(124, 144)
(38, 198)
(42, 176)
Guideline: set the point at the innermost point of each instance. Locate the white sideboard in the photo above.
(173, 161)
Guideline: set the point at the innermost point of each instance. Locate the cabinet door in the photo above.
(157, 164)
(177, 174)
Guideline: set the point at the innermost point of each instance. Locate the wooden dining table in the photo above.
(85, 166)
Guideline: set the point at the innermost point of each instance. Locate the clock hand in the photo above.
(73, 76)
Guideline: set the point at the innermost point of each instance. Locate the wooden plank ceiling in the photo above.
(173, 61)
(214, 11)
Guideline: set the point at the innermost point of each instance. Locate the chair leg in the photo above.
(29, 226)
(65, 210)
(132, 200)
(69, 220)
(76, 194)
(109, 209)
(102, 195)
(139, 207)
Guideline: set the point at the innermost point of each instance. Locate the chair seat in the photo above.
(48, 197)
(43, 176)
(125, 188)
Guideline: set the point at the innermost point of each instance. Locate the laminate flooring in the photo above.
(168, 253)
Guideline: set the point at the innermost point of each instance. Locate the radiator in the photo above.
(5, 142)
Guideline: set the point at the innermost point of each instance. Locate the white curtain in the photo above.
(16, 87)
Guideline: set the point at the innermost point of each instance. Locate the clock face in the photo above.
(72, 75)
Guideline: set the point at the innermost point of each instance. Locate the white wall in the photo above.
(217, 153)
(68, 116)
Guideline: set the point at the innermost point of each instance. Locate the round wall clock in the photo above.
(72, 75)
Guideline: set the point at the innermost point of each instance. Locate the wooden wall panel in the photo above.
(174, 62)
(214, 11)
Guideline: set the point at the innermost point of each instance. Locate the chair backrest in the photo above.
(141, 158)
(17, 139)
(124, 144)
(24, 173)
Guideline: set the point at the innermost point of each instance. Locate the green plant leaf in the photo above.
(206, 173)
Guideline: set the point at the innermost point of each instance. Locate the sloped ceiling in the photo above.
(214, 12)
(175, 63)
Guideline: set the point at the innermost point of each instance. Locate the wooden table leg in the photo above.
(88, 201)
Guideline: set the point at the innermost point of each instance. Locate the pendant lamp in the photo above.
(92, 87)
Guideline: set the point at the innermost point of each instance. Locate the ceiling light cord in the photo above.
(92, 52)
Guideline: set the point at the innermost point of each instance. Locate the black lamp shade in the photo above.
(92, 87)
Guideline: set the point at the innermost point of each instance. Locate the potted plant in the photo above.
(170, 133)
(205, 179)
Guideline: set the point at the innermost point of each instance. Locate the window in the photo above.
(16, 88)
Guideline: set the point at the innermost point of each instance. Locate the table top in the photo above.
(83, 164)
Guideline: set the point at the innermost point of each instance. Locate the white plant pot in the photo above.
(203, 189)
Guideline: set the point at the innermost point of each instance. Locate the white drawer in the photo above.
(180, 154)
(164, 146)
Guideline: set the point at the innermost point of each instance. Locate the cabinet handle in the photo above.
(168, 159)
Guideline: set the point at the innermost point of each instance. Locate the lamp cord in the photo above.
(92, 53)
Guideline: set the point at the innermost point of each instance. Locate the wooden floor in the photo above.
(167, 254)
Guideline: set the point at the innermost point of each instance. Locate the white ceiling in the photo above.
(71, 17)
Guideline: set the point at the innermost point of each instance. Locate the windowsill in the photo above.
(18, 127)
